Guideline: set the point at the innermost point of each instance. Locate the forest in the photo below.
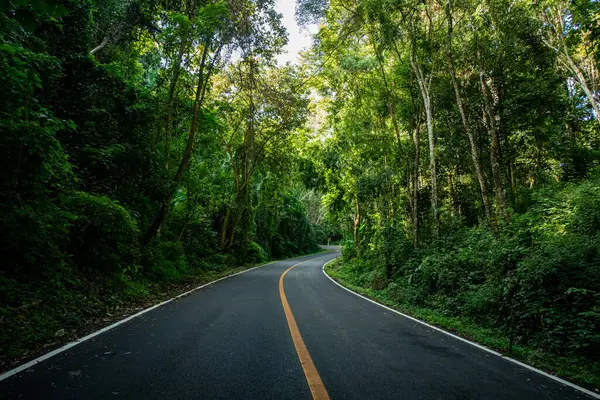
(451, 145)
(146, 145)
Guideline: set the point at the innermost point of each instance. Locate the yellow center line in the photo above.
(310, 371)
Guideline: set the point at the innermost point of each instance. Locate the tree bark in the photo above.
(100, 46)
(425, 93)
(225, 229)
(356, 225)
(557, 24)
(452, 191)
(495, 139)
(154, 229)
(583, 83)
(415, 185)
(172, 86)
(241, 214)
(187, 221)
(465, 121)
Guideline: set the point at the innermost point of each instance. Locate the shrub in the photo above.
(482, 301)
(538, 279)
(133, 289)
(33, 227)
(200, 244)
(165, 261)
(256, 254)
(104, 236)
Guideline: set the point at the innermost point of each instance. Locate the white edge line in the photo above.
(67, 346)
(512, 360)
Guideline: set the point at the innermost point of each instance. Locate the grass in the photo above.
(577, 370)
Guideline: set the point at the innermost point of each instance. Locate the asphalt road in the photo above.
(231, 340)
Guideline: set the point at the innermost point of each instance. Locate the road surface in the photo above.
(233, 340)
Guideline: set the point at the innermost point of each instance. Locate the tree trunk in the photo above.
(249, 159)
(187, 221)
(100, 46)
(225, 229)
(463, 116)
(495, 140)
(154, 229)
(557, 25)
(583, 83)
(452, 191)
(242, 213)
(513, 183)
(424, 89)
(356, 225)
(241, 202)
(172, 86)
(415, 185)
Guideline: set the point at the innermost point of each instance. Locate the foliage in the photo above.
(257, 254)
(123, 140)
(580, 370)
(458, 153)
(535, 281)
(167, 261)
(451, 146)
(103, 236)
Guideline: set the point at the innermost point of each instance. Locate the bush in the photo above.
(133, 289)
(104, 236)
(165, 261)
(482, 301)
(33, 227)
(538, 279)
(256, 254)
(200, 245)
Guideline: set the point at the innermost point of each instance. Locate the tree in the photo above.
(573, 44)
(267, 107)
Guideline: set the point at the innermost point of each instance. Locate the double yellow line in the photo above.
(310, 371)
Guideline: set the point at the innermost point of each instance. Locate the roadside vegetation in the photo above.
(462, 162)
(150, 145)
(146, 146)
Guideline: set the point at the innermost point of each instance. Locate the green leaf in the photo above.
(68, 215)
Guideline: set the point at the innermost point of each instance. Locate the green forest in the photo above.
(451, 146)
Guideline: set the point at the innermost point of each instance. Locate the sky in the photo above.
(297, 40)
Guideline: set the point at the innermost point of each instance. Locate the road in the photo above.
(232, 340)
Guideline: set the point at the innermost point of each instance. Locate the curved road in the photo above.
(233, 340)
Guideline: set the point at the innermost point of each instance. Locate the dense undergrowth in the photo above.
(531, 289)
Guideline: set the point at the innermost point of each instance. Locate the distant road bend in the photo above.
(282, 331)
